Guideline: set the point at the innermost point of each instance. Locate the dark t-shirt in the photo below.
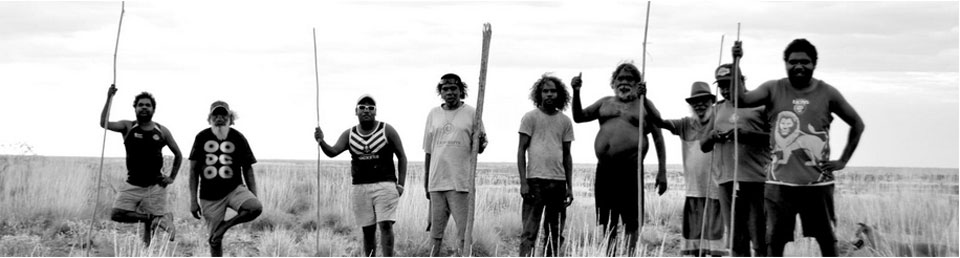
(144, 156)
(221, 162)
(800, 132)
(372, 156)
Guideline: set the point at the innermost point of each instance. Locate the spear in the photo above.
(643, 76)
(736, 143)
(316, 75)
(103, 145)
(477, 120)
(706, 192)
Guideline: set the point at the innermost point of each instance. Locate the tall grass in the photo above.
(46, 204)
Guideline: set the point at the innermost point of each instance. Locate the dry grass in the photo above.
(46, 204)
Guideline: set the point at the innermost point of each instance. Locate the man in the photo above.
(447, 141)
(701, 209)
(546, 181)
(143, 198)
(800, 179)
(752, 156)
(221, 166)
(376, 186)
(616, 185)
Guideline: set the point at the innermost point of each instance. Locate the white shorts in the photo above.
(375, 202)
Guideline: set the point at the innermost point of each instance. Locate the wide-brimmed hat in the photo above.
(700, 90)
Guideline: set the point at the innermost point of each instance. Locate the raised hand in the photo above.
(576, 82)
(112, 91)
(737, 49)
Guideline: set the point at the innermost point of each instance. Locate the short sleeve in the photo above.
(197, 145)
(568, 135)
(247, 152)
(527, 125)
(428, 134)
(680, 126)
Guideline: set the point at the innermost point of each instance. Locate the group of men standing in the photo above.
(774, 165)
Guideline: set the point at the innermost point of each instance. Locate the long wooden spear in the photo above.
(706, 192)
(103, 145)
(467, 248)
(736, 143)
(643, 81)
(316, 75)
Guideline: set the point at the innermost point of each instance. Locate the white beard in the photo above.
(220, 131)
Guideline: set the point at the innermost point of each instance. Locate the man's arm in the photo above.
(394, 137)
(522, 163)
(757, 97)
(653, 116)
(177, 156)
(568, 171)
(426, 174)
(119, 126)
(336, 149)
(194, 182)
(845, 111)
(581, 115)
(661, 180)
(250, 179)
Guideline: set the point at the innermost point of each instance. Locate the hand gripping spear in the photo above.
(467, 248)
(103, 145)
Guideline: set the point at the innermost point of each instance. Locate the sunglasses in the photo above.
(367, 107)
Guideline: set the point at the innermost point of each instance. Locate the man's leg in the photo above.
(459, 207)
(553, 217)
(757, 220)
(370, 240)
(249, 210)
(386, 238)
(441, 214)
(819, 217)
(125, 208)
(530, 213)
(781, 218)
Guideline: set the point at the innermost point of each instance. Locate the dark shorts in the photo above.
(750, 221)
(616, 192)
(813, 203)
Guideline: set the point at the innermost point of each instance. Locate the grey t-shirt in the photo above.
(447, 138)
(696, 164)
(547, 135)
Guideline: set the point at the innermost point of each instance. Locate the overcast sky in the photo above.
(895, 62)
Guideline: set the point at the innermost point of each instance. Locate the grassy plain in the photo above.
(46, 204)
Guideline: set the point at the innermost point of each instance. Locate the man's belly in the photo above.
(616, 138)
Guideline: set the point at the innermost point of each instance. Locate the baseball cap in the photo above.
(725, 72)
(368, 98)
(219, 104)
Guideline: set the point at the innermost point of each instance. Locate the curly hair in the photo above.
(563, 96)
(145, 95)
(801, 45)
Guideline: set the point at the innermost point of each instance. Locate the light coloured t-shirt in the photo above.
(753, 157)
(547, 135)
(696, 163)
(447, 138)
